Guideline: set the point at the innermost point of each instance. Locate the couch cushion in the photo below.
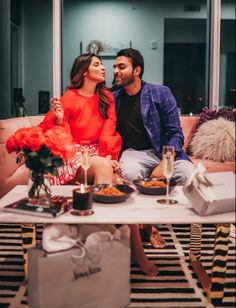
(9, 126)
(12, 174)
(215, 140)
(212, 166)
(188, 125)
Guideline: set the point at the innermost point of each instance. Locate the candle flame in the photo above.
(82, 188)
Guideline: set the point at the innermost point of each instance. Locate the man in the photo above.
(147, 119)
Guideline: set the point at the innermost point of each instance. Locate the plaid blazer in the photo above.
(160, 118)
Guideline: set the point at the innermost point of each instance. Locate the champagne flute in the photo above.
(85, 160)
(168, 154)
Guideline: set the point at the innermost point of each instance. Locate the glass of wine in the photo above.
(168, 155)
(85, 159)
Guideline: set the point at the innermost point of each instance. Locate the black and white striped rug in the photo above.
(175, 286)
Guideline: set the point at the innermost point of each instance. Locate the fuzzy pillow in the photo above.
(215, 140)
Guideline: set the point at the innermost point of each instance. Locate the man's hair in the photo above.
(135, 56)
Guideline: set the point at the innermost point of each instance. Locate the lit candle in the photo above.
(82, 201)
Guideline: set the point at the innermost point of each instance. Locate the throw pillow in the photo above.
(215, 140)
(211, 114)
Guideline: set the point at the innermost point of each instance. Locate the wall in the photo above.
(114, 21)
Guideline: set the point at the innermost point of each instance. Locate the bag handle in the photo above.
(93, 240)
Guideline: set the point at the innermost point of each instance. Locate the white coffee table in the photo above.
(138, 208)
(144, 209)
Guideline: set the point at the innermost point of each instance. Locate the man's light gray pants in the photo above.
(139, 164)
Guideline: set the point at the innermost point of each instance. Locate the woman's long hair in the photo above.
(79, 67)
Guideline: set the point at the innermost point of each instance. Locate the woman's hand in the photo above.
(115, 165)
(57, 109)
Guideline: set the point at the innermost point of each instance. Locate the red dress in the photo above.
(83, 120)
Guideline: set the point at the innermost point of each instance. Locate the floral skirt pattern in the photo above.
(68, 172)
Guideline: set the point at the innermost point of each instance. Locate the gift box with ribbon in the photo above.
(210, 193)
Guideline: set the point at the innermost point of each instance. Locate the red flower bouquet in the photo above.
(42, 152)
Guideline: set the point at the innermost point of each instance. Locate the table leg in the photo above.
(219, 264)
(195, 242)
(214, 285)
(28, 232)
(195, 256)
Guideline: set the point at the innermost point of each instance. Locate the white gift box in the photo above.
(210, 193)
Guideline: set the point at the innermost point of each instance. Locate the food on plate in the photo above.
(155, 184)
(109, 191)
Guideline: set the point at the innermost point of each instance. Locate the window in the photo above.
(37, 54)
(185, 61)
(227, 55)
(31, 56)
(171, 35)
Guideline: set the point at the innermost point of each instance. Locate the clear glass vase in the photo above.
(39, 189)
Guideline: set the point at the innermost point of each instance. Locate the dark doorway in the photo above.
(184, 73)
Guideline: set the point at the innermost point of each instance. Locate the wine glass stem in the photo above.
(167, 189)
(85, 178)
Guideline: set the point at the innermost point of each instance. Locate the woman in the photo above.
(87, 110)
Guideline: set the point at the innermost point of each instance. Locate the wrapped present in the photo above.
(210, 193)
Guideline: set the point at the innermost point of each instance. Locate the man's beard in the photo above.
(125, 81)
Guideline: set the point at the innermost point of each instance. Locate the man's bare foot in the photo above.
(156, 239)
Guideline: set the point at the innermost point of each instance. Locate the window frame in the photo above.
(57, 48)
(214, 53)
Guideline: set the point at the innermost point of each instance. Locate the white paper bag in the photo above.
(93, 275)
(210, 193)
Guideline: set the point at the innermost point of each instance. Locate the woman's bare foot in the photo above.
(147, 267)
(137, 253)
(156, 239)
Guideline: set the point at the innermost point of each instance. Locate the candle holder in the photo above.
(82, 201)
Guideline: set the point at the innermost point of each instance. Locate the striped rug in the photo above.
(175, 286)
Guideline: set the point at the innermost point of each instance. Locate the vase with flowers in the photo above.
(42, 152)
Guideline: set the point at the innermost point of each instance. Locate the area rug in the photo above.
(175, 286)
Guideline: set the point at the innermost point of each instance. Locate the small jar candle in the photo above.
(82, 201)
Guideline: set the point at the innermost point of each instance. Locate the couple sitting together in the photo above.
(131, 124)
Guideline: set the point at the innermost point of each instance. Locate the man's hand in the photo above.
(157, 171)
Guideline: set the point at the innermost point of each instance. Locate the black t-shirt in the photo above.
(130, 124)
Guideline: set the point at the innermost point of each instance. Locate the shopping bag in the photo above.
(210, 193)
(91, 274)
